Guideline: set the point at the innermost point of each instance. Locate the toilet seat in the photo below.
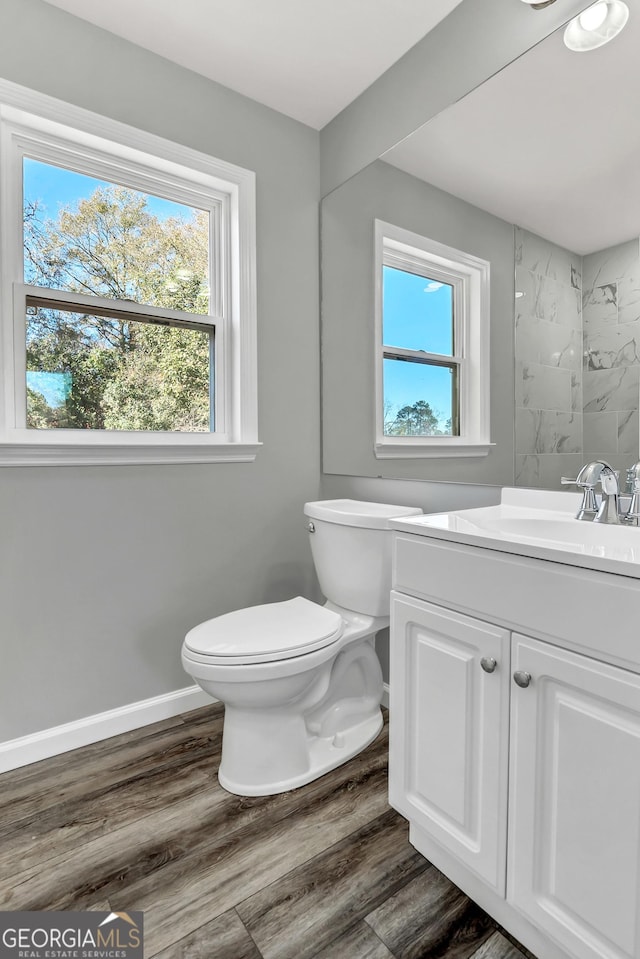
(264, 634)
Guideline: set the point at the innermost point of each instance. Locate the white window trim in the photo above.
(470, 277)
(96, 142)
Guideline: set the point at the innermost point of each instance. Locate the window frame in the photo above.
(470, 278)
(37, 126)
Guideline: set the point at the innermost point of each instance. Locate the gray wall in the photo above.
(381, 191)
(430, 497)
(428, 78)
(102, 570)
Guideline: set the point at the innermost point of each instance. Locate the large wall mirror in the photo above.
(537, 171)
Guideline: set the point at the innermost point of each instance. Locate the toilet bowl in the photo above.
(301, 683)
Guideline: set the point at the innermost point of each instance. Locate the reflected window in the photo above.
(432, 353)
(420, 372)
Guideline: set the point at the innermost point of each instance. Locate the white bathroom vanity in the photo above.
(515, 716)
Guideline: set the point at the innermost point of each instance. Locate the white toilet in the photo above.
(301, 683)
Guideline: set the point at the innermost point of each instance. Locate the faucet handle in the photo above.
(633, 474)
(632, 516)
(630, 478)
(589, 506)
(568, 481)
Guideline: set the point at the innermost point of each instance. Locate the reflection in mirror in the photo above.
(418, 393)
(576, 352)
(545, 154)
(471, 242)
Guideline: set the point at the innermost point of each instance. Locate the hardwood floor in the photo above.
(139, 822)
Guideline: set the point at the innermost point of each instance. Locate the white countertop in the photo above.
(536, 523)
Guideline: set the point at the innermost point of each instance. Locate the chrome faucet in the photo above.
(632, 516)
(609, 511)
(587, 479)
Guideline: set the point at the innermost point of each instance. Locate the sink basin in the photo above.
(532, 523)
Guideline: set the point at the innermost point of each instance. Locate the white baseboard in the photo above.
(60, 739)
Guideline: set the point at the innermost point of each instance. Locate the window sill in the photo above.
(112, 454)
(422, 450)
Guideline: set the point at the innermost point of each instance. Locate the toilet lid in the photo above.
(261, 634)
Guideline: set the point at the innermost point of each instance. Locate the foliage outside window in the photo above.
(108, 369)
(432, 359)
(128, 304)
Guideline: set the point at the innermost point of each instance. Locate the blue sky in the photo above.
(417, 315)
(57, 187)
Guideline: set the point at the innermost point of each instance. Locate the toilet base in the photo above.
(324, 755)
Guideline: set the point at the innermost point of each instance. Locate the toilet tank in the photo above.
(351, 548)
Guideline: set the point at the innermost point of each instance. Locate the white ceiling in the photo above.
(306, 58)
(552, 143)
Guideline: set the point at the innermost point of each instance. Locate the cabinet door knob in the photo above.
(521, 678)
(488, 663)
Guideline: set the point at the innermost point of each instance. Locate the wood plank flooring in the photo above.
(139, 822)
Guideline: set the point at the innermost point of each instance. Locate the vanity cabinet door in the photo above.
(448, 716)
(574, 814)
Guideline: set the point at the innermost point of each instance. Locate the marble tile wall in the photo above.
(577, 350)
(549, 367)
(611, 377)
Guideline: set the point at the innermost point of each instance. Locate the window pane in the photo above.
(85, 235)
(419, 399)
(417, 313)
(106, 373)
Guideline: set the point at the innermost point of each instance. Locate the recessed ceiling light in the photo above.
(539, 4)
(593, 17)
(596, 25)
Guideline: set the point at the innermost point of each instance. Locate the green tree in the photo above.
(124, 374)
(61, 347)
(415, 420)
(164, 385)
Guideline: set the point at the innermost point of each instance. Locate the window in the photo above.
(432, 352)
(128, 293)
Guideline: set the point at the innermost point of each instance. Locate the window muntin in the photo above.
(432, 347)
